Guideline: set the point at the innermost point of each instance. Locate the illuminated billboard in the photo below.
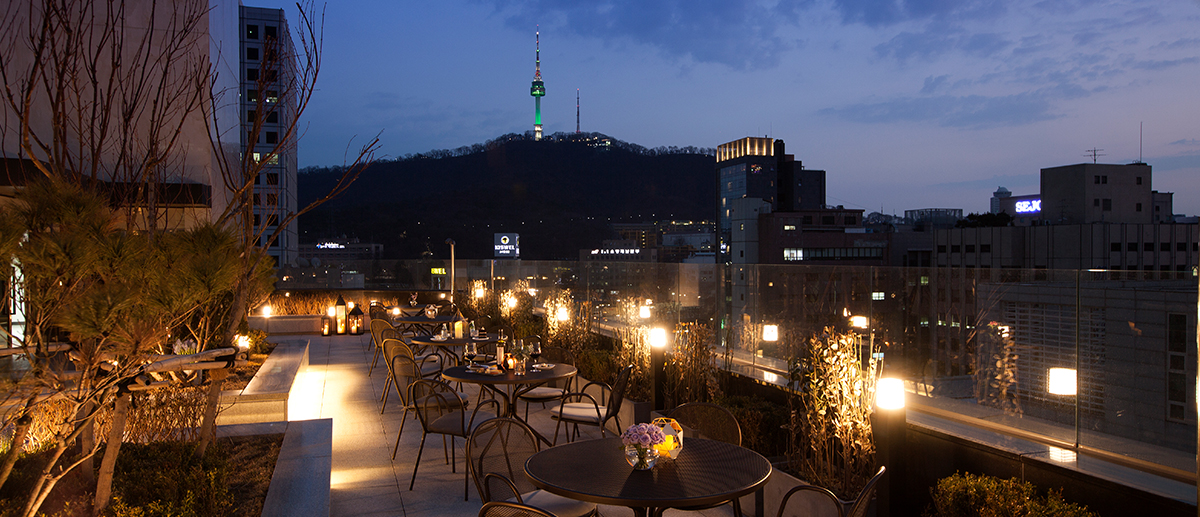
(507, 245)
(1028, 206)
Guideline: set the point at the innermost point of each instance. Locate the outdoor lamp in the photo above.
(1062, 381)
(395, 312)
(889, 393)
(658, 361)
(243, 342)
(266, 311)
(340, 314)
(356, 321)
(770, 333)
(859, 322)
(644, 311)
(562, 314)
(326, 323)
(658, 337)
(480, 292)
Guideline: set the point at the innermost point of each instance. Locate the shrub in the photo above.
(762, 422)
(970, 495)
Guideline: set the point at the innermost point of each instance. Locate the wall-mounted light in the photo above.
(889, 393)
(770, 333)
(859, 322)
(1062, 381)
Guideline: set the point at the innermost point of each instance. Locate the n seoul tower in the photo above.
(538, 90)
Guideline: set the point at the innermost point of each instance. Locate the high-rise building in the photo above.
(268, 108)
(999, 194)
(538, 89)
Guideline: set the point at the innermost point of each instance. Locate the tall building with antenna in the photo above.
(577, 111)
(538, 90)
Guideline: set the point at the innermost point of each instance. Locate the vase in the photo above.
(640, 458)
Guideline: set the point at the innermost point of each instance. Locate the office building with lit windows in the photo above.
(268, 105)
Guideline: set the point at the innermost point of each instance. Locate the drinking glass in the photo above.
(535, 351)
(470, 352)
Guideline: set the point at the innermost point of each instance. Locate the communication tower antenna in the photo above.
(1140, 142)
(1094, 153)
(577, 111)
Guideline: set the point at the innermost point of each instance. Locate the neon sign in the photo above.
(1029, 206)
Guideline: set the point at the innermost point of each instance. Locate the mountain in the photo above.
(560, 194)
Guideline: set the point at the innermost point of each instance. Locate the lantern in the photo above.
(326, 323)
(356, 321)
(339, 314)
(673, 438)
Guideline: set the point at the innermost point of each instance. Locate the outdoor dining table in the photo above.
(707, 472)
(509, 385)
(419, 324)
(451, 344)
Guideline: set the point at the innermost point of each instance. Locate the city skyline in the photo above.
(907, 105)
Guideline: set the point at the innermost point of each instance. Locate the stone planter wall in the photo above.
(300, 482)
(265, 398)
(287, 325)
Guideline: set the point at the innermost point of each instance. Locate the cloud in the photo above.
(742, 34)
(1182, 43)
(937, 40)
(883, 13)
(933, 83)
(1163, 64)
(971, 111)
(1186, 141)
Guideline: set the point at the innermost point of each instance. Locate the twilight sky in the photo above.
(906, 104)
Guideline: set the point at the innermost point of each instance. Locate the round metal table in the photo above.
(509, 385)
(707, 472)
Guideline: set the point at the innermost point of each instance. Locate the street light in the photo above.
(451, 243)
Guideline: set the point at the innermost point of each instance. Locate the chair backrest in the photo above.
(432, 400)
(377, 312)
(378, 326)
(404, 371)
(711, 420)
(499, 509)
(559, 355)
(858, 507)
(500, 446)
(617, 395)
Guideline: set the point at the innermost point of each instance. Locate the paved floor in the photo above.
(365, 480)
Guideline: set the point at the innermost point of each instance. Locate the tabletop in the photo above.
(429, 340)
(461, 374)
(706, 472)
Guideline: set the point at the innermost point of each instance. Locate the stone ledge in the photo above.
(287, 325)
(300, 482)
(266, 397)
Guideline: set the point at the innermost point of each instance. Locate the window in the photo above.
(1166, 246)
(1148, 246)
(1131, 246)
(257, 199)
(1106, 205)
(1116, 246)
(272, 199)
(1104, 180)
(1096, 180)
(970, 248)
(272, 75)
(1096, 202)
(941, 248)
(808, 219)
(789, 227)
(1181, 246)
(273, 96)
(877, 295)
(924, 280)
(272, 178)
(270, 31)
(272, 220)
(252, 95)
(272, 137)
(1139, 180)
(257, 220)
(251, 138)
(827, 220)
(1177, 377)
(851, 220)
(955, 248)
(273, 160)
(985, 248)
(251, 54)
(251, 32)
(251, 116)
(251, 74)
(1138, 207)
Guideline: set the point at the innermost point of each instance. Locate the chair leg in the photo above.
(417, 464)
(386, 384)
(444, 452)
(397, 447)
(374, 360)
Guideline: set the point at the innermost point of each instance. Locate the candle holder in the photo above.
(672, 443)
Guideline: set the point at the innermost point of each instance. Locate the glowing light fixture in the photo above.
(480, 292)
(340, 314)
(1062, 381)
(644, 311)
(395, 311)
(770, 333)
(658, 337)
(859, 322)
(889, 393)
(266, 311)
(562, 314)
(243, 342)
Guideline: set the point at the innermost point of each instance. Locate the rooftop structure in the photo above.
(538, 89)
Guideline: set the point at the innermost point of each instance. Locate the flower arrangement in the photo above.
(639, 441)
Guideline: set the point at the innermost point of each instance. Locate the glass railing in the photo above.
(984, 344)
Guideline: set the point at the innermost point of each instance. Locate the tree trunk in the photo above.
(208, 423)
(46, 481)
(87, 442)
(112, 449)
(16, 446)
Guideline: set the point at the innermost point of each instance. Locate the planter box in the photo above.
(287, 325)
(300, 482)
(265, 398)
